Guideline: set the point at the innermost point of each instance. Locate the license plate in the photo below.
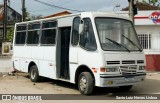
(129, 79)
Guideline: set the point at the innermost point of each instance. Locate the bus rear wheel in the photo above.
(85, 83)
(34, 74)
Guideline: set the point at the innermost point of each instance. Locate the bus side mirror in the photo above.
(81, 28)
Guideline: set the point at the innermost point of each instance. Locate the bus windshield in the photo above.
(117, 35)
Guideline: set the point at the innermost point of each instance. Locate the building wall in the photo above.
(12, 18)
(153, 51)
(153, 62)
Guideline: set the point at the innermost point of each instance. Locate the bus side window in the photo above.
(87, 38)
(48, 32)
(33, 33)
(20, 34)
(75, 31)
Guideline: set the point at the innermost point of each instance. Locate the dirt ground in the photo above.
(21, 84)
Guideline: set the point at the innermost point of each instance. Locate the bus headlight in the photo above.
(109, 69)
(112, 69)
(141, 67)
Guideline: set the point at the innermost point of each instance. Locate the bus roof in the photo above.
(83, 14)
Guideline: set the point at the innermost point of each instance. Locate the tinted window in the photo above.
(21, 27)
(75, 31)
(33, 33)
(48, 36)
(20, 38)
(20, 34)
(48, 32)
(34, 26)
(87, 38)
(33, 37)
(49, 24)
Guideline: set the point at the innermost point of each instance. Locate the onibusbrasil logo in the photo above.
(155, 17)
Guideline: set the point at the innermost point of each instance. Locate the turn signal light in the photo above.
(103, 69)
(94, 70)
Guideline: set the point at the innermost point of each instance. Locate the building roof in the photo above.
(58, 14)
(143, 6)
(11, 12)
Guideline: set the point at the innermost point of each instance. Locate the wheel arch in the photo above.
(31, 64)
(83, 68)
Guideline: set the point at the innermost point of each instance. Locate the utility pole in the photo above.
(131, 10)
(23, 10)
(5, 21)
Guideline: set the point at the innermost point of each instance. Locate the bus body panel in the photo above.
(36, 52)
(73, 68)
(92, 60)
(64, 22)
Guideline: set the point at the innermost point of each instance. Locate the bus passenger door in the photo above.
(62, 52)
(73, 57)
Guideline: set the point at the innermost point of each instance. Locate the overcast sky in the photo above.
(37, 8)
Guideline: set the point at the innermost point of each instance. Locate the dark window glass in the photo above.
(33, 37)
(21, 27)
(49, 24)
(75, 31)
(34, 26)
(87, 38)
(20, 38)
(48, 36)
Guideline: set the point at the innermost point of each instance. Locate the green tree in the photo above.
(151, 2)
(32, 17)
(10, 34)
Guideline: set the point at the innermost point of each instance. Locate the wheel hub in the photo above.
(33, 73)
(83, 83)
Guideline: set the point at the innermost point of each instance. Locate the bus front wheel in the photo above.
(34, 74)
(85, 83)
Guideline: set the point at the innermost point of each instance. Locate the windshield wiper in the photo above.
(132, 43)
(118, 44)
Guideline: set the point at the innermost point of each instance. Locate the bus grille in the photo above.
(128, 62)
(140, 61)
(128, 70)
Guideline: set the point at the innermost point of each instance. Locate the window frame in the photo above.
(51, 28)
(149, 40)
(40, 23)
(21, 31)
(117, 50)
(94, 37)
(72, 33)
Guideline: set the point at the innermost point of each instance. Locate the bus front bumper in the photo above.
(121, 80)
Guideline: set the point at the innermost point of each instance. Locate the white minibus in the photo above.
(89, 49)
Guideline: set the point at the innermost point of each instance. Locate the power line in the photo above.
(55, 6)
(67, 2)
(40, 10)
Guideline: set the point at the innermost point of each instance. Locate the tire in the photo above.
(34, 74)
(126, 88)
(85, 83)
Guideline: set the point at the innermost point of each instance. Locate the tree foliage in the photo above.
(32, 17)
(10, 34)
(151, 2)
